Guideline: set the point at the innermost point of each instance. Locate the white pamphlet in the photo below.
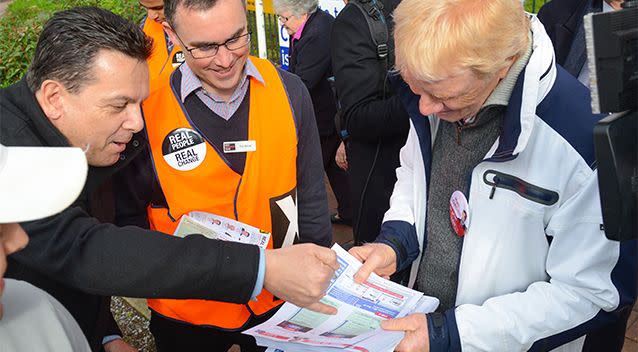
(356, 326)
(220, 228)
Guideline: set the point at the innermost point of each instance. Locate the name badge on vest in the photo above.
(184, 149)
(459, 213)
(240, 146)
(178, 58)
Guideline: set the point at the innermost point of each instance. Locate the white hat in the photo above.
(36, 182)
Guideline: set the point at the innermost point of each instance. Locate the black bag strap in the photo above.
(373, 13)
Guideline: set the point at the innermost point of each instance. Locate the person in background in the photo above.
(309, 29)
(219, 128)
(563, 21)
(35, 183)
(374, 118)
(84, 88)
(500, 131)
(166, 56)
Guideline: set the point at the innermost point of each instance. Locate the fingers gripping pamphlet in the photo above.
(220, 228)
(356, 326)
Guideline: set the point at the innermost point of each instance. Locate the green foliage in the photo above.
(534, 5)
(271, 25)
(22, 24)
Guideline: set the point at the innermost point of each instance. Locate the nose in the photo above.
(134, 121)
(428, 105)
(224, 57)
(154, 14)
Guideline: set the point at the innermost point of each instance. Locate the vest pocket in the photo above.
(534, 193)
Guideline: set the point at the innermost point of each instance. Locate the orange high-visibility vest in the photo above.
(212, 186)
(160, 63)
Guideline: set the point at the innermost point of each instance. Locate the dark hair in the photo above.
(170, 7)
(71, 40)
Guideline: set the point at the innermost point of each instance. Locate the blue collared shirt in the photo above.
(192, 84)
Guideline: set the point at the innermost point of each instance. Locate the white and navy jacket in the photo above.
(536, 270)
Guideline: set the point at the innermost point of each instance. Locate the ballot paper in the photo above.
(220, 228)
(356, 326)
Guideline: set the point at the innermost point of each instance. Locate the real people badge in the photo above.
(184, 149)
(459, 213)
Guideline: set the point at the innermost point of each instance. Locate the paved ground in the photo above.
(631, 335)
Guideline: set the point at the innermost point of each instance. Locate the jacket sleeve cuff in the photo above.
(110, 338)
(259, 284)
(443, 332)
(400, 236)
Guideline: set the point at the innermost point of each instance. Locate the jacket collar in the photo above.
(533, 84)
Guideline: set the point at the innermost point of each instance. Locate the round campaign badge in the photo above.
(459, 213)
(184, 149)
(178, 58)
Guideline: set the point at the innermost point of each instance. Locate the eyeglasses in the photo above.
(283, 19)
(211, 50)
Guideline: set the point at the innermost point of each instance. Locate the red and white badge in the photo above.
(459, 213)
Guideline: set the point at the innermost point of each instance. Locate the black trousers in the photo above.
(174, 336)
(338, 178)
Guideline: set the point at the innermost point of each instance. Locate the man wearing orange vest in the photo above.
(234, 136)
(166, 56)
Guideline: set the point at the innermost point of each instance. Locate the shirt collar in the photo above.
(191, 83)
(299, 31)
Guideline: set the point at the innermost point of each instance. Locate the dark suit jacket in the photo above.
(310, 60)
(378, 125)
(562, 20)
(78, 259)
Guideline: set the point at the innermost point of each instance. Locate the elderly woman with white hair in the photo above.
(309, 28)
(496, 209)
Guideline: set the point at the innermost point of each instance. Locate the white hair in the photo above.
(296, 7)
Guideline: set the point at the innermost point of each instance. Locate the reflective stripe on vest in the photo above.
(160, 63)
(263, 197)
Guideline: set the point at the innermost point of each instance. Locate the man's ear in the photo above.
(50, 96)
(502, 73)
(171, 34)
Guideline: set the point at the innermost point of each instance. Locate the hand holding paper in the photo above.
(377, 258)
(301, 274)
(356, 327)
(415, 327)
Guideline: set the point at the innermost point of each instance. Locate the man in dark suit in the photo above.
(375, 119)
(309, 29)
(563, 21)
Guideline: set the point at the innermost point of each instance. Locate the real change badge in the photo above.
(184, 149)
(459, 213)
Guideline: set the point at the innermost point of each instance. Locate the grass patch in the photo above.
(22, 24)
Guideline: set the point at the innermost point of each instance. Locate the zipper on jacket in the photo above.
(525, 189)
(235, 199)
